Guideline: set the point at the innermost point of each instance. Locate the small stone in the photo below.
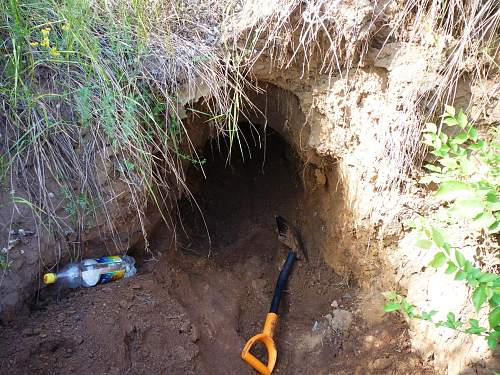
(381, 363)
(43, 335)
(370, 339)
(78, 339)
(136, 286)
(347, 296)
(195, 334)
(28, 332)
(124, 305)
(185, 326)
(339, 320)
(320, 177)
(334, 304)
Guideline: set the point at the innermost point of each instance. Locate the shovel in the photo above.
(293, 241)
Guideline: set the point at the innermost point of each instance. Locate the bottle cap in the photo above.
(49, 278)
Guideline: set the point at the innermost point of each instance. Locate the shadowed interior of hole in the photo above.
(243, 188)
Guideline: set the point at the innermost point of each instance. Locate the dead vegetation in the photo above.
(94, 92)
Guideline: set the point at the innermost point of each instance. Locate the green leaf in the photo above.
(392, 306)
(451, 321)
(437, 143)
(441, 152)
(494, 318)
(479, 297)
(468, 266)
(491, 196)
(492, 344)
(437, 237)
(449, 110)
(408, 308)
(473, 283)
(462, 119)
(467, 208)
(410, 223)
(495, 227)
(487, 277)
(475, 330)
(460, 258)
(390, 295)
(444, 138)
(438, 260)
(428, 139)
(468, 167)
(474, 147)
(450, 121)
(495, 299)
(495, 206)
(459, 139)
(430, 127)
(433, 168)
(449, 162)
(473, 134)
(450, 190)
(428, 315)
(474, 323)
(447, 247)
(484, 220)
(460, 275)
(424, 244)
(451, 268)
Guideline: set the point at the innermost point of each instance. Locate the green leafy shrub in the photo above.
(467, 174)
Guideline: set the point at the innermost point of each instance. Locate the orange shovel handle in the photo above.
(266, 338)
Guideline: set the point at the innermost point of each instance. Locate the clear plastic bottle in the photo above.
(90, 272)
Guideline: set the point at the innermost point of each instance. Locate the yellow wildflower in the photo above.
(46, 31)
(45, 42)
(54, 52)
(34, 44)
(65, 26)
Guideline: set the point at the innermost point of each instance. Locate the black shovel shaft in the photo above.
(282, 278)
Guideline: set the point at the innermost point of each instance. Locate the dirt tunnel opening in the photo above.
(228, 255)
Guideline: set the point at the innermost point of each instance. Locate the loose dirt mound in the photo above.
(132, 326)
(191, 311)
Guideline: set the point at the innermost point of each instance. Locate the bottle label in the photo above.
(109, 259)
(115, 270)
(107, 277)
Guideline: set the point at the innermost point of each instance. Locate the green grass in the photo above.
(78, 94)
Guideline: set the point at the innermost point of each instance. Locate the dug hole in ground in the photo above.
(205, 287)
(205, 284)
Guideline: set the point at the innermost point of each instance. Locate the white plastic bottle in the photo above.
(90, 272)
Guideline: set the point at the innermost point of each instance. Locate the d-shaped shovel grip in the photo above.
(266, 338)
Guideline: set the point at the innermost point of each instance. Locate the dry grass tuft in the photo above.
(104, 88)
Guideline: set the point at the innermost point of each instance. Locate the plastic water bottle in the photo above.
(90, 272)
